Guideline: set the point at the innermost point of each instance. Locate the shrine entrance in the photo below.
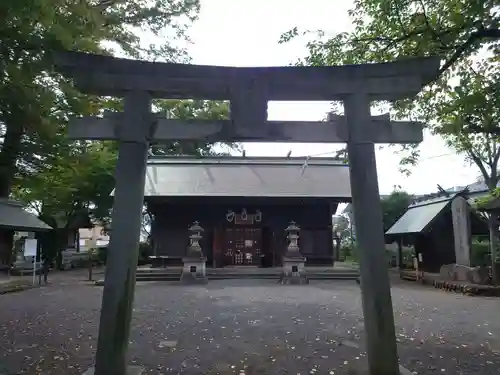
(248, 90)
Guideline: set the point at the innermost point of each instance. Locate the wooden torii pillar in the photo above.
(249, 90)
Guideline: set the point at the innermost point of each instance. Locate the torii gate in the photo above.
(248, 90)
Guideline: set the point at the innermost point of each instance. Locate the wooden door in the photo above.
(217, 246)
(243, 245)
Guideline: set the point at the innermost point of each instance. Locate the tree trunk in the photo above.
(8, 156)
(493, 227)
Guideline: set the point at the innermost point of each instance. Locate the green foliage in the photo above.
(385, 30)
(79, 182)
(480, 253)
(394, 206)
(408, 254)
(348, 251)
(35, 102)
(468, 116)
(389, 29)
(59, 178)
(190, 110)
(489, 199)
(102, 254)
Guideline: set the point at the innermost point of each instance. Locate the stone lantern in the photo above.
(194, 248)
(292, 232)
(294, 271)
(194, 263)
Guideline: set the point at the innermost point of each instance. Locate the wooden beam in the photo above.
(104, 75)
(381, 130)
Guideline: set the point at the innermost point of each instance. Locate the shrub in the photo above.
(145, 251)
(480, 253)
(348, 251)
(102, 254)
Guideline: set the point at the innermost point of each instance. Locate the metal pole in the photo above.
(119, 286)
(375, 287)
(34, 270)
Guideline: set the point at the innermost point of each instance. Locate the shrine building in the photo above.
(244, 205)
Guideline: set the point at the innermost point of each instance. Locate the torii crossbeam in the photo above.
(248, 90)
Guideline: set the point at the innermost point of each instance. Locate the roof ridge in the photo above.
(238, 160)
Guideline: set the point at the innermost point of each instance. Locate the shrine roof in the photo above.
(247, 177)
(419, 216)
(14, 217)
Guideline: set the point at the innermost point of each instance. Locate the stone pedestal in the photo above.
(294, 271)
(131, 370)
(194, 270)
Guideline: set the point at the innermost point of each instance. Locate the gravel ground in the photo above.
(255, 326)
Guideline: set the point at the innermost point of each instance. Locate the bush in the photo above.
(480, 253)
(348, 251)
(408, 254)
(102, 254)
(145, 251)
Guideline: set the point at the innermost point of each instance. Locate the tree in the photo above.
(394, 206)
(389, 29)
(189, 110)
(78, 180)
(468, 116)
(386, 30)
(467, 35)
(73, 185)
(34, 100)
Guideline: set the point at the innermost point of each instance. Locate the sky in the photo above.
(246, 33)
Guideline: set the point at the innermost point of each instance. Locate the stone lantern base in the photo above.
(194, 270)
(294, 271)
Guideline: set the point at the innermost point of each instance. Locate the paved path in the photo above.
(255, 326)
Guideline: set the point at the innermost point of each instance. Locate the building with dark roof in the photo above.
(428, 225)
(13, 217)
(244, 205)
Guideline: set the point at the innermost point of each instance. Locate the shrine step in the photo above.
(166, 275)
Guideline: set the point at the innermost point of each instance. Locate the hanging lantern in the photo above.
(258, 216)
(230, 216)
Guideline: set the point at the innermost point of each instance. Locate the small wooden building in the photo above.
(428, 226)
(244, 205)
(13, 217)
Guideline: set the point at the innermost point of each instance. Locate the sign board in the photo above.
(30, 247)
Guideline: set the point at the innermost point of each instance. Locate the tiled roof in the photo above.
(13, 216)
(419, 216)
(247, 177)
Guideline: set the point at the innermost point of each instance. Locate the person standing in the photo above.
(45, 269)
